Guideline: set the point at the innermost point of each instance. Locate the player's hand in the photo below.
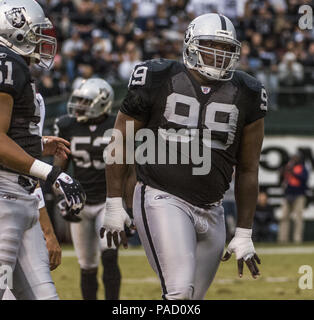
(71, 189)
(115, 220)
(55, 146)
(242, 246)
(54, 251)
(65, 212)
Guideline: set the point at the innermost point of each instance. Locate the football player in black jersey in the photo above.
(22, 247)
(178, 213)
(85, 126)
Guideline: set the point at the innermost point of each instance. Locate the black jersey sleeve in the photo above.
(257, 108)
(61, 126)
(256, 98)
(136, 104)
(13, 76)
(144, 85)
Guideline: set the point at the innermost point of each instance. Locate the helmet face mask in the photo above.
(211, 51)
(93, 98)
(25, 29)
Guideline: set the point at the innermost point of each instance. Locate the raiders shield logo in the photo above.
(16, 17)
(92, 128)
(205, 90)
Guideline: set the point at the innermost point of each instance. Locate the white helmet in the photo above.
(211, 27)
(22, 29)
(91, 99)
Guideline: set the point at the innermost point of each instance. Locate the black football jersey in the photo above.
(87, 152)
(164, 95)
(15, 79)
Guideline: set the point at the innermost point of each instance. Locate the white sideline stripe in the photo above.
(131, 253)
(216, 281)
(266, 251)
(286, 250)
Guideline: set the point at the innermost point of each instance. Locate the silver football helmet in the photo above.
(211, 28)
(91, 99)
(25, 29)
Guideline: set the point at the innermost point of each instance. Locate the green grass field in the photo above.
(279, 279)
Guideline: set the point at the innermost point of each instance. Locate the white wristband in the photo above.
(115, 202)
(40, 169)
(243, 233)
(39, 195)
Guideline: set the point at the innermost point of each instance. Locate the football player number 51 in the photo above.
(8, 79)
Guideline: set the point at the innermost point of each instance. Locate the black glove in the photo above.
(65, 213)
(71, 189)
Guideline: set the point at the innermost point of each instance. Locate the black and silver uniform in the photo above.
(164, 95)
(87, 152)
(15, 80)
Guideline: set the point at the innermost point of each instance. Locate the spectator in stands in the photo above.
(308, 63)
(145, 9)
(62, 13)
(256, 46)
(196, 8)
(116, 19)
(83, 19)
(69, 50)
(64, 7)
(294, 176)
(290, 75)
(244, 62)
(101, 42)
(267, 73)
(150, 40)
(265, 225)
(47, 86)
(131, 58)
(85, 55)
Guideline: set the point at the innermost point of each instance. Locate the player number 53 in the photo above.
(82, 157)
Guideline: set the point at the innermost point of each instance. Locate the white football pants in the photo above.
(183, 243)
(22, 245)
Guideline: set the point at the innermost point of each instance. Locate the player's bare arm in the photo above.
(11, 154)
(246, 183)
(52, 243)
(116, 173)
(116, 216)
(129, 186)
(246, 191)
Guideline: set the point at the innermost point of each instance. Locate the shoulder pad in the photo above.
(15, 73)
(64, 122)
(159, 65)
(245, 80)
(151, 73)
(7, 53)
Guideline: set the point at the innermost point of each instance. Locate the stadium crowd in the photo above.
(107, 38)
